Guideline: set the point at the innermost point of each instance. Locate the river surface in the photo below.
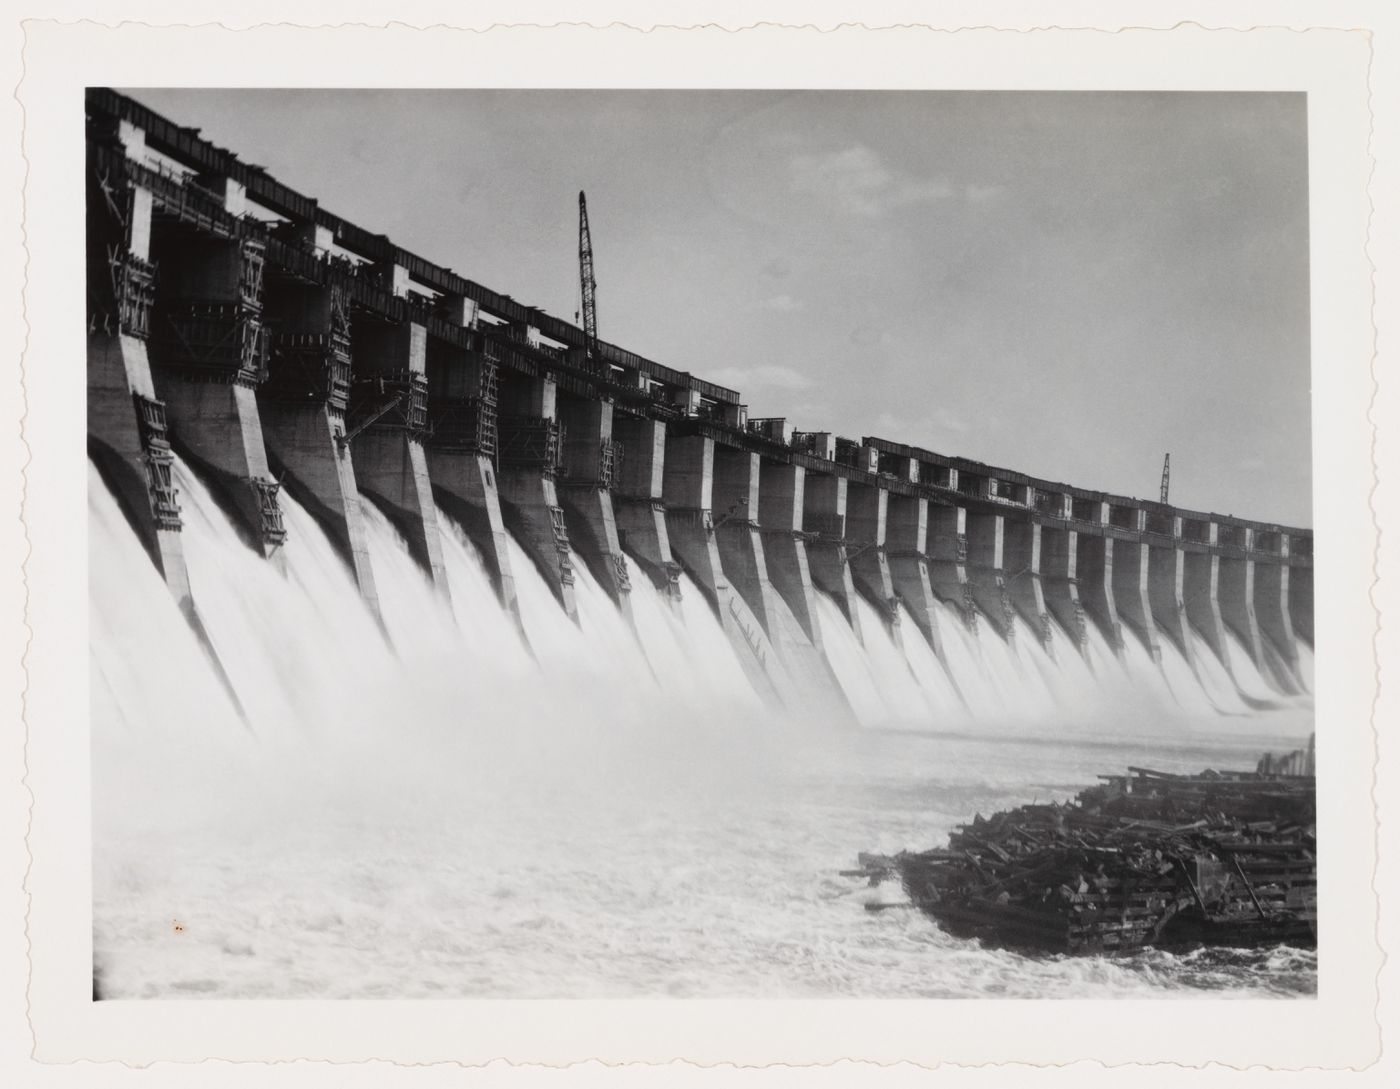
(429, 810)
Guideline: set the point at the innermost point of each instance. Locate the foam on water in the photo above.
(434, 808)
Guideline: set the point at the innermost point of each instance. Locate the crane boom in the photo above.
(1166, 475)
(588, 286)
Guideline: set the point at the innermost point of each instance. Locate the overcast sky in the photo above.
(1068, 284)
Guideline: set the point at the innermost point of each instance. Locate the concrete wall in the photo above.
(1021, 542)
(736, 501)
(1300, 602)
(1059, 576)
(782, 489)
(391, 466)
(688, 494)
(1095, 568)
(306, 449)
(867, 513)
(824, 500)
(986, 570)
(1166, 586)
(465, 487)
(906, 539)
(529, 500)
(1275, 624)
(1236, 592)
(1132, 592)
(117, 369)
(587, 498)
(948, 550)
(638, 500)
(1202, 583)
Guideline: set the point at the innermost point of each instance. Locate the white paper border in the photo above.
(1336, 1029)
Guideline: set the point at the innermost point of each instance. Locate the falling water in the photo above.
(432, 806)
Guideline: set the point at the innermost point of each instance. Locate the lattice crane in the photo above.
(588, 286)
(1166, 475)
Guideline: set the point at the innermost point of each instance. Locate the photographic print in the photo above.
(700, 544)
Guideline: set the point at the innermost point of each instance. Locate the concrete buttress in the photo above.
(867, 514)
(530, 453)
(585, 488)
(986, 570)
(1021, 550)
(1132, 592)
(1059, 576)
(209, 354)
(824, 519)
(906, 541)
(303, 404)
(1166, 586)
(638, 501)
(947, 551)
(1202, 584)
(463, 407)
(688, 493)
(736, 497)
(1095, 567)
(1275, 624)
(388, 421)
(782, 490)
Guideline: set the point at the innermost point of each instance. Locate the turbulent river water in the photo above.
(428, 809)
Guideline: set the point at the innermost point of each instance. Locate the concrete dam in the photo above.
(315, 377)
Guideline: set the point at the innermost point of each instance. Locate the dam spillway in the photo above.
(410, 602)
(282, 350)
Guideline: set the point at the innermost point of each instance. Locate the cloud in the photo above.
(867, 336)
(780, 268)
(782, 304)
(857, 180)
(980, 194)
(765, 376)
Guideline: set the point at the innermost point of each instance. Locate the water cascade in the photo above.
(612, 809)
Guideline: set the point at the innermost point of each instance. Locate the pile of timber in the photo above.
(1146, 858)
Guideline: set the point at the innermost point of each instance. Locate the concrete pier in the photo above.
(1236, 593)
(126, 423)
(387, 421)
(906, 541)
(585, 488)
(1202, 583)
(1059, 574)
(638, 503)
(1300, 602)
(986, 570)
(782, 491)
(1271, 582)
(824, 499)
(208, 356)
(530, 453)
(462, 411)
(736, 489)
(867, 515)
(1132, 592)
(1095, 567)
(302, 405)
(1021, 544)
(823, 521)
(688, 484)
(687, 491)
(1166, 587)
(948, 551)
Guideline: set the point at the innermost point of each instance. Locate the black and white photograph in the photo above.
(758, 544)
(748, 547)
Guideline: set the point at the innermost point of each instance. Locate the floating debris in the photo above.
(1146, 858)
